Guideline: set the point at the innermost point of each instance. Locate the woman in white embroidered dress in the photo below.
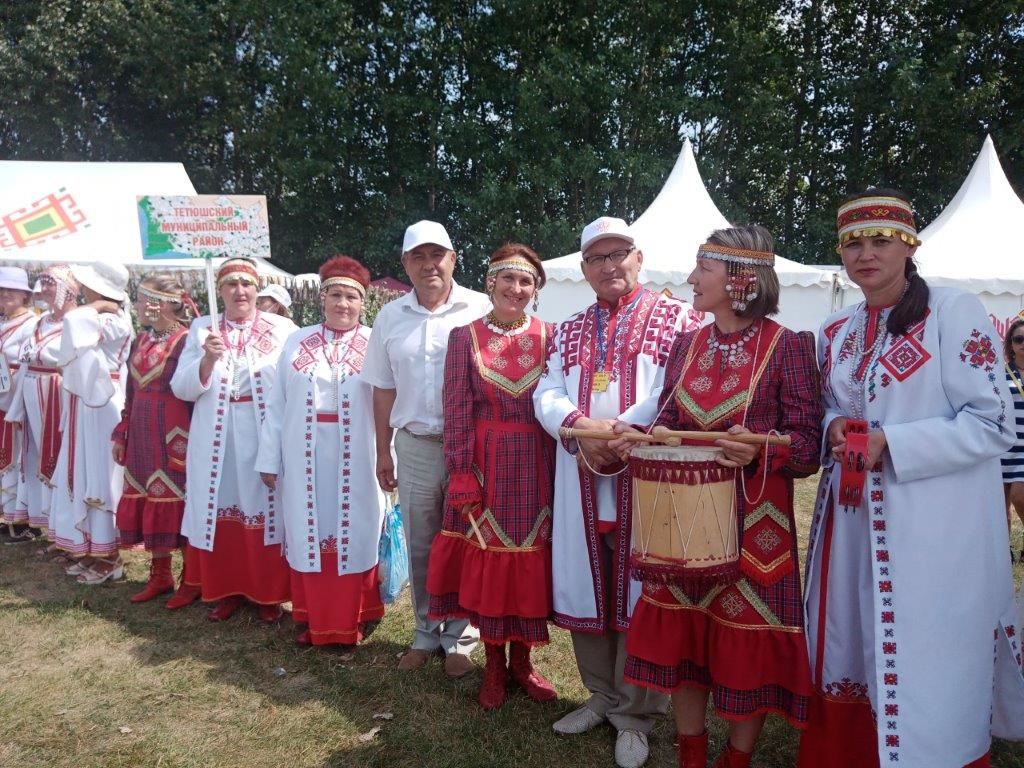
(906, 585)
(16, 324)
(318, 452)
(87, 482)
(230, 518)
(37, 398)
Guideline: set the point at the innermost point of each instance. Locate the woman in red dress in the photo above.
(742, 640)
(151, 439)
(491, 562)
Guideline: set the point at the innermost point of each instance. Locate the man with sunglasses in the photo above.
(602, 361)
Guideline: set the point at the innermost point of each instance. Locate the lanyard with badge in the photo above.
(606, 352)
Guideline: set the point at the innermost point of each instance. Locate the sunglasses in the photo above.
(1017, 339)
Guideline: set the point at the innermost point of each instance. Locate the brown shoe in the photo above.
(457, 665)
(414, 658)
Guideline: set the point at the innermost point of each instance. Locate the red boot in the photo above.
(268, 613)
(492, 691)
(693, 750)
(530, 680)
(160, 580)
(225, 608)
(187, 593)
(733, 758)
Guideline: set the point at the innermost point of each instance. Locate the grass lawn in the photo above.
(92, 681)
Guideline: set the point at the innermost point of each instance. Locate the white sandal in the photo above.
(92, 577)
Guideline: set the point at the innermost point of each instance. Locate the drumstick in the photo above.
(472, 524)
(672, 436)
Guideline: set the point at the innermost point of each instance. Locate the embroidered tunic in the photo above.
(12, 335)
(154, 434)
(87, 482)
(904, 592)
(319, 440)
(37, 403)
(500, 463)
(630, 355)
(743, 640)
(224, 497)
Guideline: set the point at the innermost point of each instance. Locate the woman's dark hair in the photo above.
(913, 305)
(1008, 355)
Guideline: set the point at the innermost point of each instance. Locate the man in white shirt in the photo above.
(405, 364)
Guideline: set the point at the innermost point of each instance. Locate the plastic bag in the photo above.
(393, 554)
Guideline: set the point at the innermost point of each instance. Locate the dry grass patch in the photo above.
(92, 681)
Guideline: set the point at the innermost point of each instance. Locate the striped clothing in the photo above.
(1013, 460)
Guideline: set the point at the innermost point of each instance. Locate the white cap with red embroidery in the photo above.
(602, 228)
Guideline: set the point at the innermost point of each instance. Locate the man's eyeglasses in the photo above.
(615, 257)
(1017, 339)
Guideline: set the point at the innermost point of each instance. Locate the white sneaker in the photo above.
(578, 721)
(631, 749)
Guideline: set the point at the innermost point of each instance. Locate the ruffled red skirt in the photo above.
(153, 523)
(750, 669)
(505, 593)
(334, 606)
(241, 564)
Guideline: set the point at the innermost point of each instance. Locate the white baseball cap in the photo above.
(277, 293)
(602, 228)
(109, 279)
(14, 278)
(424, 232)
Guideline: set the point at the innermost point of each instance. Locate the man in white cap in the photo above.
(405, 364)
(275, 299)
(603, 360)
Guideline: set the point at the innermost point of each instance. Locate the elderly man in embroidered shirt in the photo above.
(603, 360)
(405, 364)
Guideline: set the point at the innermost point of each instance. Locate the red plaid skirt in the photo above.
(241, 564)
(155, 524)
(751, 668)
(505, 594)
(332, 605)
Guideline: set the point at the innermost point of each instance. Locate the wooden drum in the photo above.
(684, 516)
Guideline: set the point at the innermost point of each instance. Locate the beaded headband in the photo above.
(873, 216)
(350, 282)
(154, 295)
(237, 269)
(517, 264)
(736, 255)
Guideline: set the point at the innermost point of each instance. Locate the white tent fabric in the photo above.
(678, 220)
(971, 245)
(81, 212)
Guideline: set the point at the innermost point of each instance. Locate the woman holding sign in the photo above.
(16, 324)
(230, 517)
(318, 453)
(733, 632)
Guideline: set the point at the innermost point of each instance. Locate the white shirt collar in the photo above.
(458, 298)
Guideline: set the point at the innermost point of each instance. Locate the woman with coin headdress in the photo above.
(491, 562)
(17, 321)
(230, 517)
(908, 566)
(37, 399)
(151, 440)
(318, 454)
(734, 632)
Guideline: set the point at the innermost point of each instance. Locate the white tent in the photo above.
(972, 244)
(669, 232)
(80, 212)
